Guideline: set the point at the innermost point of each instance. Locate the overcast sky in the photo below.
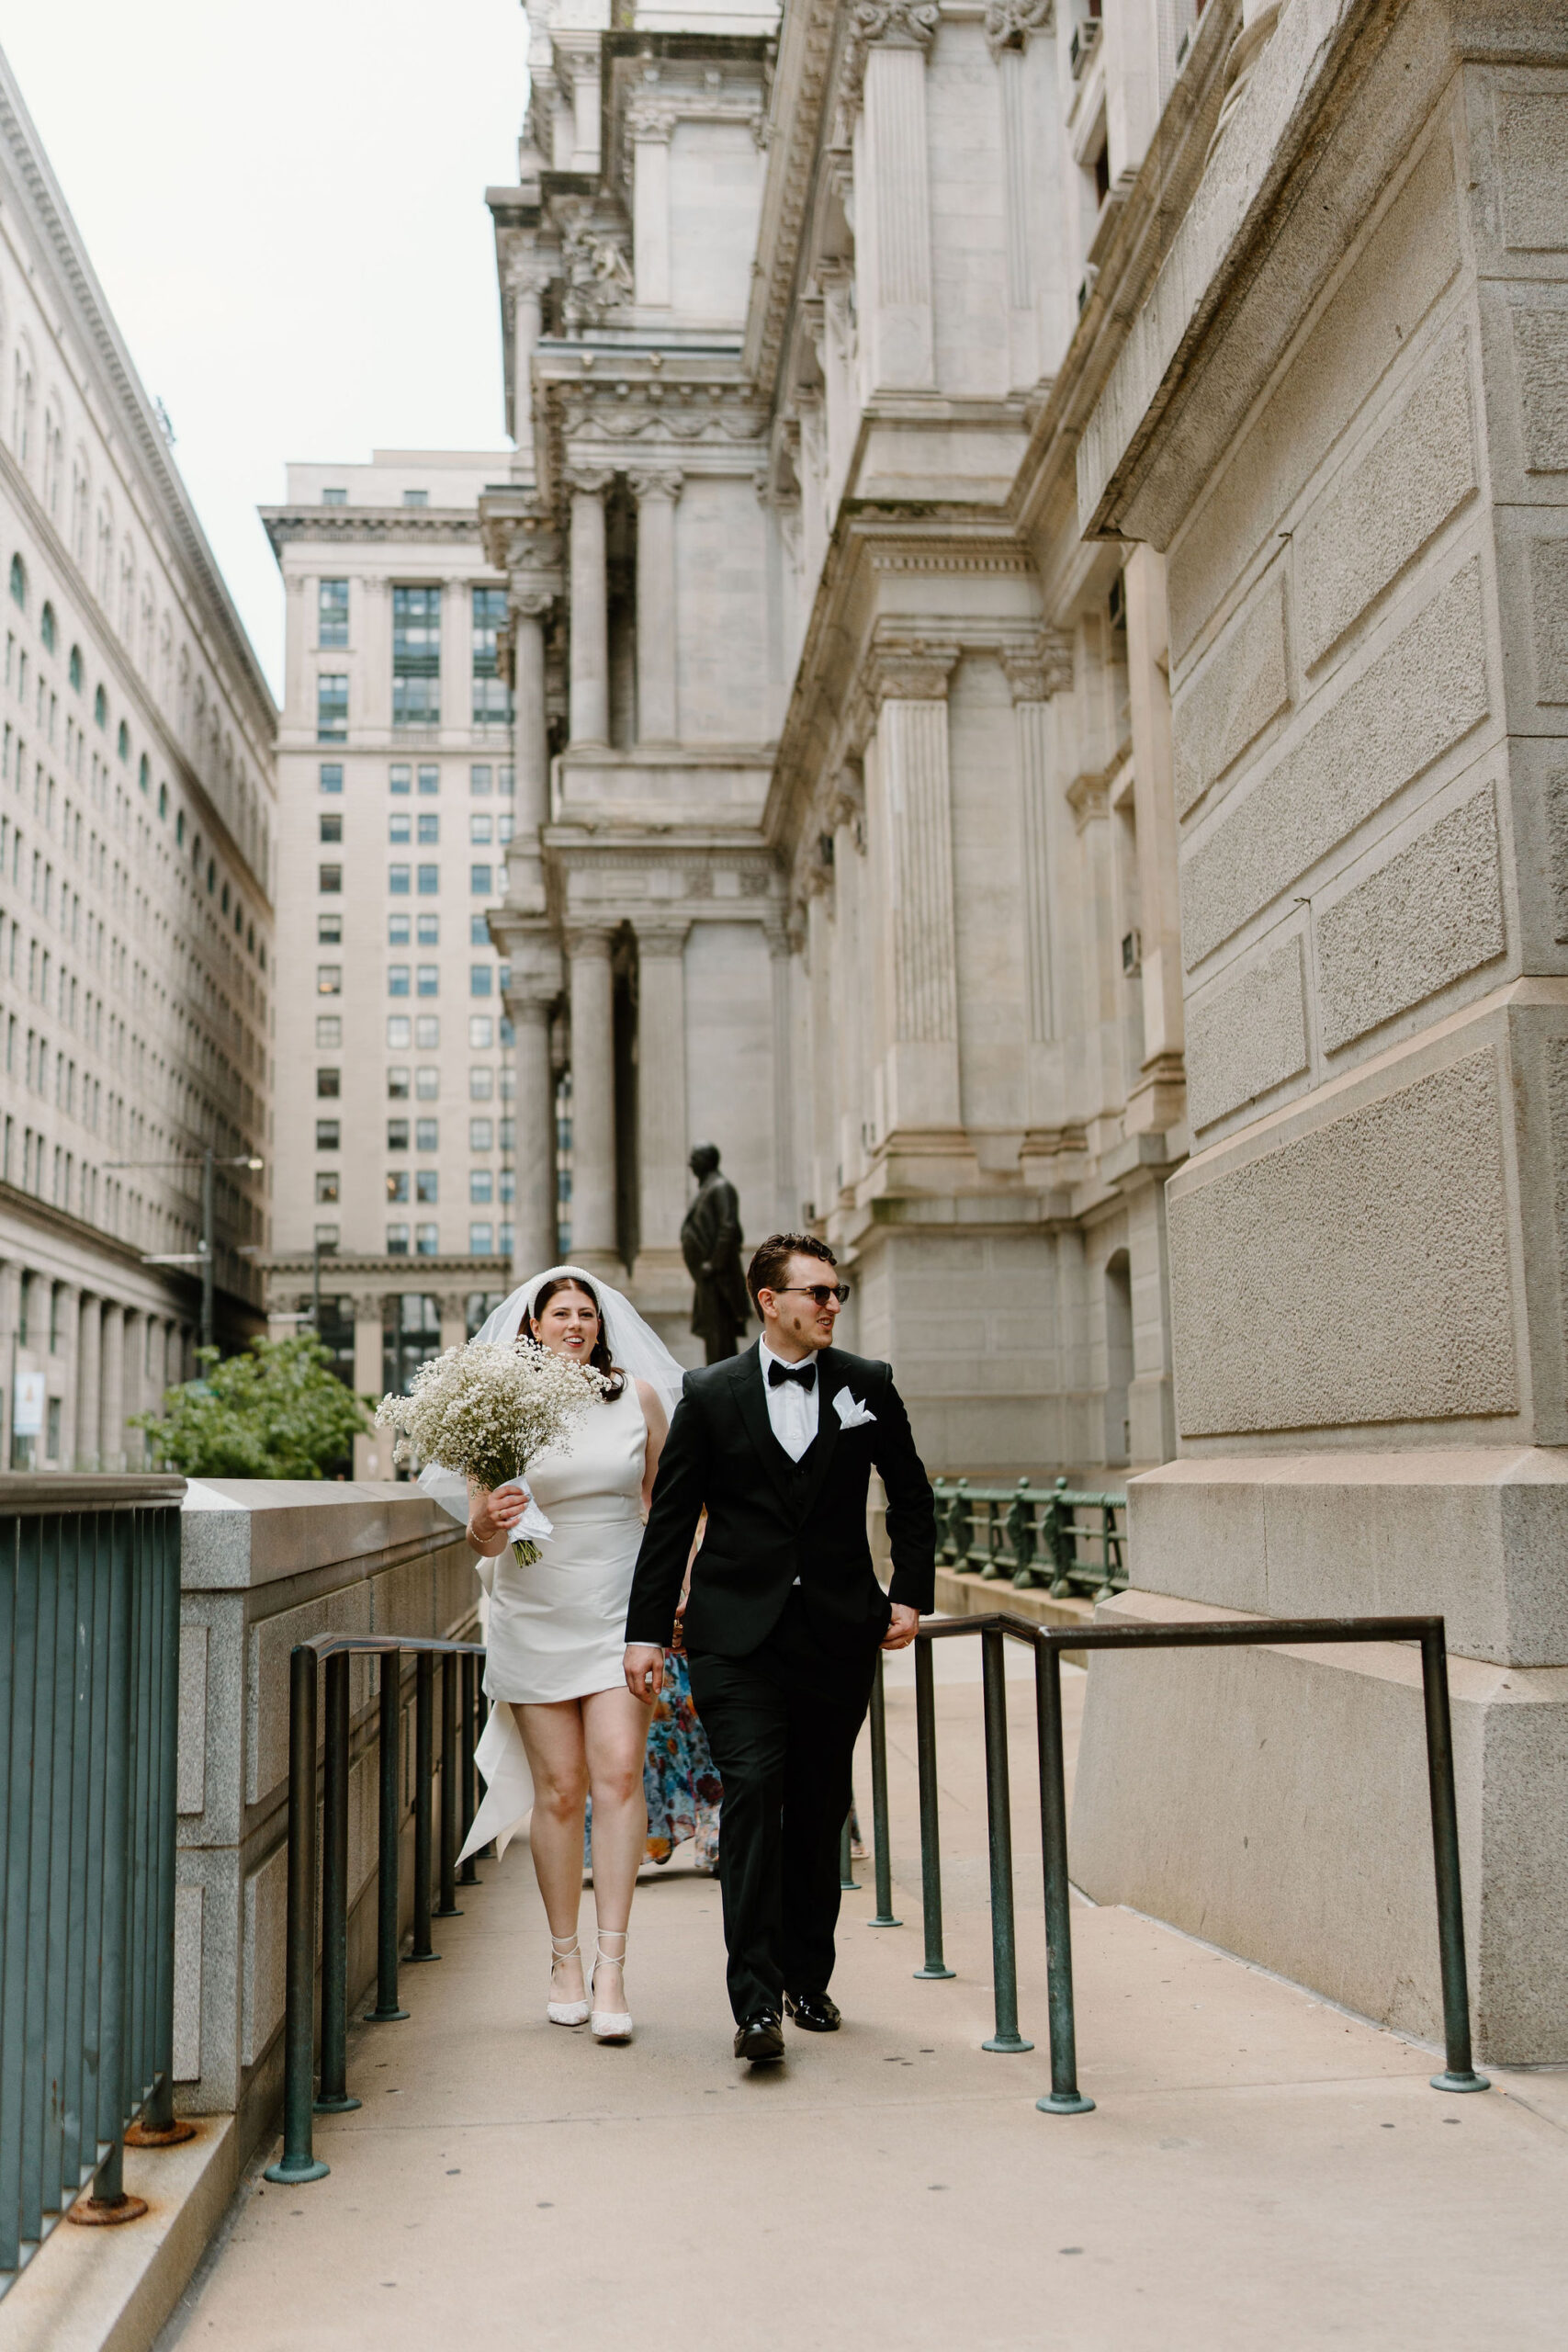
(285, 205)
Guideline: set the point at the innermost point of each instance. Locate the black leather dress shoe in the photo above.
(760, 2038)
(813, 2011)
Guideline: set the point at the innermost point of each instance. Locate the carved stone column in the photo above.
(375, 664)
(656, 492)
(133, 1361)
(368, 1344)
(89, 1374)
(1008, 25)
(650, 123)
(590, 676)
(886, 80)
(68, 1309)
(907, 681)
(535, 1223)
(663, 1142)
(1159, 1099)
(456, 705)
(111, 1391)
(531, 740)
(592, 1097)
(528, 278)
(1034, 675)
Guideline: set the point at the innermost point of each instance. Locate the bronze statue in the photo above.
(710, 1243)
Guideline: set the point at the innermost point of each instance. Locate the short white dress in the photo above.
(558, 1630)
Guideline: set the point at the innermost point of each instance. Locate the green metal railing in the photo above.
(1067, 1539)
(89, 1667)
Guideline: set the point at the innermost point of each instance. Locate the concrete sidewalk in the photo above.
(1261, 2170)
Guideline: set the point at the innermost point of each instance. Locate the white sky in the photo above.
(284, 205)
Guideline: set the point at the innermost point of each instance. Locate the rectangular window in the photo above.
(397, 931)
(430, 826)
(478, 881)
(493, 698)
(329, 930)
(506, 1031)
(397, 1185)
(427, 1134)
(416, 657)
(481, 1134)
(397, 1085)
(397, 827)
(478, 930)
(429, 881)
(399, 777)
(398, 1038)
(329, 1085)
(479, 979)
(503, 827)
(397, 1241)
(504, 782)
(508, 1186)
(478, 782)
(481, 1031)
(481, 1241)
(416, 498)
(481, 1085)
(428, 980)
(427, 1082)
(508, 1082)
(327, 1235)
(328, 1134)
(506, 1134)
(329, 979)
(332, 612)
(396, 979)
(427, 1187)
(397, 1135)
(329, 1032)
(329, 879)
(429, 931)
(505, 1241)
(331, 708)
(429, 782)
(481, 1187)
(427, 1241)
(326, 1187)
(427, 1032)
(398, 881)
(334, 498)
(331, 773)
(479, 829)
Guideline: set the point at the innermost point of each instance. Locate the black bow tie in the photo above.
(806, 1373)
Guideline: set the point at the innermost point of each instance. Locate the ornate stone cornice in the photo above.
(629, 408)
(589, 482)
(906, 667)
(657, 481)
(532, 603)
(282, 524)
(891, 24)
(806, 52)
(1036, 673)
(1010, 23)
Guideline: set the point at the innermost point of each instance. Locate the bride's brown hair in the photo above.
(599, 1353)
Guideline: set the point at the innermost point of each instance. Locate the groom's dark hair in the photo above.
(770, 1261)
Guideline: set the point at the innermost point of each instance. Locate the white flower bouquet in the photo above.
(486, 1410)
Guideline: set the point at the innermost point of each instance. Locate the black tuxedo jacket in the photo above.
(771, 1521)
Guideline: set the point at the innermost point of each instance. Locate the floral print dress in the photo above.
(678, 1779)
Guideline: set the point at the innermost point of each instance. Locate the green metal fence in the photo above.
(1062, 1538)
(89, 1665)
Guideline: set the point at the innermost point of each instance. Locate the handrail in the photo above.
(299, 2162)
(1048, 1642)
(1033, 1534)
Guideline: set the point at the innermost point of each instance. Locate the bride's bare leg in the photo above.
(557, 1759)
(615, 1735)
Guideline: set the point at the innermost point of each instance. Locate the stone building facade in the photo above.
(845, 835)
(138, 849)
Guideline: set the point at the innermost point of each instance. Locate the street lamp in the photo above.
(208, 1163)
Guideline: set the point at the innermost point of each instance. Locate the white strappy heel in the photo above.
(610, 2025)
(565, 2012)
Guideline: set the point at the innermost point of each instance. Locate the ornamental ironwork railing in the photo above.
(1065, 1539)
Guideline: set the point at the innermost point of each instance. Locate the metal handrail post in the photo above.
(389, 1835)
(879, 1834)
(448, 1906)
(423, 1767)
(930, 1837)
(847, 1882)
(1460, 2072)
(299, 2162)
(333, 2097)
(109, 2189)
(467, 1874)
(1065, 2098)
(158, 2126)
(999, 1815)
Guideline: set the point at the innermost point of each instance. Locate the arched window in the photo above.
(251, 937)
(19, 581)
(261, 955)
(211, 877)
(46, 628)
(100, 708)
(122, 741)
(144, 773)
(74, 669)
(180, 830)
(163, 800)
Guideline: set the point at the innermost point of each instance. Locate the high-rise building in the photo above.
(137, 848)
(396, 1123)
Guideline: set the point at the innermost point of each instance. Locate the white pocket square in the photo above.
(852, 1414)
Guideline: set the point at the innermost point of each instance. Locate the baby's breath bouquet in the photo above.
(484, 1411)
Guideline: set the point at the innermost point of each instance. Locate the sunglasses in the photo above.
(819, 1292)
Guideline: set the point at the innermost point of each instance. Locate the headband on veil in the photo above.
(634, 1348)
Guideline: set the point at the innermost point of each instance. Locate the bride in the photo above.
(556, 1638)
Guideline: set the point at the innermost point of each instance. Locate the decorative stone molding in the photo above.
(912, 669)
(532, 603)
(896, 24)
(657, 481)
(597, 270)
(1010, 23)
(651, 118)
(1036, 673)
(529, 272)
(589, 482)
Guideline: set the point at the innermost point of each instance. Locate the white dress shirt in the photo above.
(792, 1409)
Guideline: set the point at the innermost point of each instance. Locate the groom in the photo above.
(786, 1616)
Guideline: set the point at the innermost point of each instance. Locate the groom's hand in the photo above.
(645, 1672)
(904, 1625)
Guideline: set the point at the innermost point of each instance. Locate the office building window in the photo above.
(399, 777)
(481, 1134)
(504, 782)
(398, 881)
(329, 930)
(331, 708)
(493, 698)
(480, 782)
(479, 979)
(480, 828)
(428, 979)
(331, 824)
(481, 1031)
(503, 827)
(427, 1134)
(397, 1135)
(416, 498)
(327, 1235)
(504, 1241)
(334, 498)
(332, 612)
(396, 979)
(427, 1187)
(330, 775)
(397, 1085)
(506, 1134)
(508, 1082)
(427, 1241)
(478, 930)
(478, 881)
(506, 1186)
(397, 931)
(326, 1187)
(506, 1035)
(427, 1082)
(427, 1032)
(328, 1132)
(429, 931)
(398, 1038)
(329, 1030)
(481, 1240)
(481, 1187)
(430, 827)
(397, 1241)
(416, 657)
(329, 1085)
(398, 828)
(397, 1185)
(329, 979)
(429, 782)
(429, 881)
(481, 1085)
(329, 879)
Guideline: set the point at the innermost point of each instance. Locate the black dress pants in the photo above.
(782, 1724)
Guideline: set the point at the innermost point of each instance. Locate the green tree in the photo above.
(276, 1411)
